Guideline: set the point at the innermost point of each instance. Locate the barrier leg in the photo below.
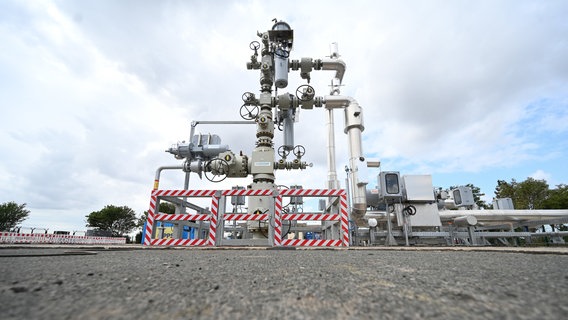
(344, 221)
(213, 222)
(150, 221)
(278, 221)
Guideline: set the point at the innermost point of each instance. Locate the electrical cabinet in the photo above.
(391, 188)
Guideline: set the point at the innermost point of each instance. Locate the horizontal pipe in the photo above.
(159, 171)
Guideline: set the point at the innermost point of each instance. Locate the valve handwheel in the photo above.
(283, 152)
(282, 53)
(299, 151)
(247, 96)
(249, 112)
(305, 92)
(254, 45)
(216, 170)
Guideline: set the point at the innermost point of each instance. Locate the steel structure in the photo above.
(404, 209)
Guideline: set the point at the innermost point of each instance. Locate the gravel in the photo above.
(281, 284)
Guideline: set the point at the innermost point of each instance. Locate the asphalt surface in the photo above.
(55, 283)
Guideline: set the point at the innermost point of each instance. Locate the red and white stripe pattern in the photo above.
(153, 216)
(183, 193)
(278, 216)
(247, 217)
(343, 217)
(213, 221)
(182, 217)
(17, 238)
(344, 220)
(310, 217)
(150, 220)
(312, 192)
(277, 221)
(260, 192)
(311, 243)
(179, 242)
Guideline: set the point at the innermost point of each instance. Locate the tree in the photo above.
(505, 189)
(529, 194)
(557, 198)
(118, 220)
(11, 214)
(164, 207)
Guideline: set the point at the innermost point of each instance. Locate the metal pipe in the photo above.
(554, 233)
(503, 215)
(337, 65)
(353, 128)
(332, 182)
(159, 171)
(465, 221)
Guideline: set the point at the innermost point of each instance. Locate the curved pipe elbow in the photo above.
(358, 213)
(159, 170)
(335, 64)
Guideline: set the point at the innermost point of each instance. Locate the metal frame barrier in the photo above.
(342, 216)
(153, 217)
(217, 217)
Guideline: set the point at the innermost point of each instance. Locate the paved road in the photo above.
(281, 284)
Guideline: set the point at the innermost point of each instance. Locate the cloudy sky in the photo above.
(93, 92)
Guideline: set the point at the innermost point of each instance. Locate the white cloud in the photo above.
(541, 175)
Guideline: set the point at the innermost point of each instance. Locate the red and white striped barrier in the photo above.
(17, 238)
(312, 192)
(182, 217)
(179, 242)
(243, 217)
(153, 216)
(150, 220)
(310, 217)
(183, 193)
(311, 243)
(278, 221)
(343, 217)
(260, 192)
(213, 221)
(344, 220)
(278, 216)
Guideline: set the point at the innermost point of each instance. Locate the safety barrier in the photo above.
(214, 217)
(41, 238)
(211, 217)
(343, 217)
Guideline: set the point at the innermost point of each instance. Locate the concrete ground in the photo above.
(84, 282)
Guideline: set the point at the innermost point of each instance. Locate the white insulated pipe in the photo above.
(353, 127)
(466, 221)
(332, 181)
(492, 216)
(339, 67)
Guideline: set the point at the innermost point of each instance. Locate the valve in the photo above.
(299, 151)
(248, 97)
(255, 45)
(248, 111)
(305, 92)
(216, 170)
(283, 152)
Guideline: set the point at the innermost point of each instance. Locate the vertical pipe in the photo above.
(332, 182)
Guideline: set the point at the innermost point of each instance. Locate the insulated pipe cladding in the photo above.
(353, 127)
